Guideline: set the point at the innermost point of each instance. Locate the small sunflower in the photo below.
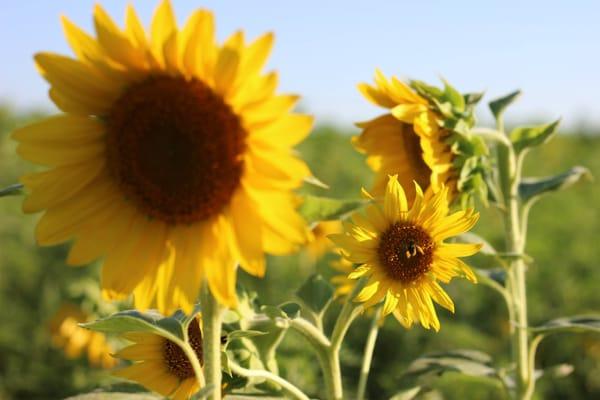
(75, 340)
(408, 141)
(403, 254)
(343, 284)
(161, 365)
(173, 158)
(318, 243)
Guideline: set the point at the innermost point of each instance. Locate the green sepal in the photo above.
(136, 321)
(579, 324)
(525, 137)
(315, 208)
(499, 105)
(316, 293)
(531, 189)
(453, 96)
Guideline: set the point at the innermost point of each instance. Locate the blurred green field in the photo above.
(563, 281)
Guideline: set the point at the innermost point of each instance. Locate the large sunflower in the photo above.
(403, 254)
(161, 365)
(172, 159)
(75, 340)
(408, 141)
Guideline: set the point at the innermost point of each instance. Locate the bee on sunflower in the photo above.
(425, 138)
(402, 253)
(172, 159)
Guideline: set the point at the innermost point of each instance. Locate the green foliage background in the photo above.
(563, 281)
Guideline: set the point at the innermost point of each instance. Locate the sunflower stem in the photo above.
(292, 391)
(368, 355)
(194, 361)
(510, 176)
(211, 340)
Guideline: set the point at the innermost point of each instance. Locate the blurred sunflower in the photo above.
(75, 340)
(161, 365)
(408, 141)
(318, 243)
(173, 159)
(402, 253)
(343, 285)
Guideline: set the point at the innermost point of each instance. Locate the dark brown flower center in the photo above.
(175, 359)
(406, 252)
(175, 149)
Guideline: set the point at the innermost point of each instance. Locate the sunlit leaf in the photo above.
(136, 321)
(532, 188)
(499, 105)
(525, 137)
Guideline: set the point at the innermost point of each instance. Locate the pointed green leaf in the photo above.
(135, 321)
(471, 99)
(315, 208)
(580, 323)
(532, 188)
(316, 293)
(468, 362)
(499, 105)
(525, 137)
(12, 190)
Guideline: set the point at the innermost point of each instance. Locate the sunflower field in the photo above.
(178, 229)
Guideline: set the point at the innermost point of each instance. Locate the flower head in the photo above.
(403, 254)
(162, 365)
(75, 340)
(424, 138)
(319, 244)
(172, 159)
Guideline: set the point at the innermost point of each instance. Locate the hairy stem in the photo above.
(368, 355)
(211, 340)
(292, 391)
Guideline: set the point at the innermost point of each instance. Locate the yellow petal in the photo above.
(198, 44)
(287, 131)
(221, 266)
(163, 26)
(247, 226)
(395, 205)
(368, 291)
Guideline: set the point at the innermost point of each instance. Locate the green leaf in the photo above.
(115, 396)
(316, 293)
(533, 188)
(12, 190)
(407, 394)
(579, 324)
(499, 105)
(497, 275)
(135, 321)
(315, 208)
(468, 362)
(291, 309)
(471, 99)
(525, 137)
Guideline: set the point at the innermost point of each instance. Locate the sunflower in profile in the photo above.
(161, 365)
(408, 141)
(172, 159)
(318, 243)
(75, 340)
(403, 254)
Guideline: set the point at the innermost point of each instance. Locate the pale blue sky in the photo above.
(547, 48)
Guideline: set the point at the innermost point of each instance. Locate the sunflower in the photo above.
(402, 253)
(161, 365)
(343, 284)
(172, 160)
(408, 141)
(319, 244)
(75, 340)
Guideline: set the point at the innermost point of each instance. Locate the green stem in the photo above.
(196, 366)
(211, 340)
(368, 355)
(292, 391)
(510, 175)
